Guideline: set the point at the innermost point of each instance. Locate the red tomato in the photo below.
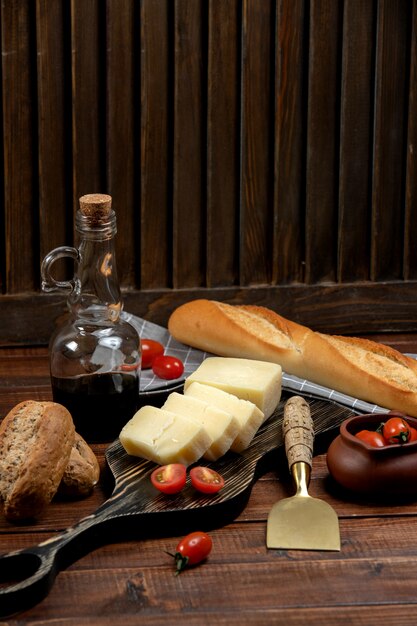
(150, 350)
(206, 480)
(129, 367)
(169, 478)
(372, 437)
(396, 430)
(167, 367)
(193, 549)
(413, 433)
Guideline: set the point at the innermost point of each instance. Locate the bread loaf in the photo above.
(357, 367)
(82, 471)
(36, 439)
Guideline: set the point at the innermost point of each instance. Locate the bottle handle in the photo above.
(49, 283)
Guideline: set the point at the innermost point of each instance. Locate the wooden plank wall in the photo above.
(256, 151)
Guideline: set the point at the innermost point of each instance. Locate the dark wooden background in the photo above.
(256, 151)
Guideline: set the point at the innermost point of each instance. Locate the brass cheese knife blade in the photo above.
(301, 522)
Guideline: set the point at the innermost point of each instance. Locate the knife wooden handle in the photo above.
(298, 431)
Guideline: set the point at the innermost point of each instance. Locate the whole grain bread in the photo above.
(360, 368)
(82, 471)
(36, 439)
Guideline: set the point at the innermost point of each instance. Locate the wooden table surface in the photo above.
(372, 580)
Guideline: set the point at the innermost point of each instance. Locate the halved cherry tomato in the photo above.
(372, 437)
(129, 367)
(396, 430)
(167, 367)
(169, 478)
(150, 350)
(206, 480)
(193, 549)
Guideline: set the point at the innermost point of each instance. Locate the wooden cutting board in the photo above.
(137, 509)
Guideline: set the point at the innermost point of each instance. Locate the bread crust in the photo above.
(362, 371)
(35, 445)
(357, 367)
(250, 332)
(82, 471)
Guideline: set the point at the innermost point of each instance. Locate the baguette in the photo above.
(357, 367)
(36, 439)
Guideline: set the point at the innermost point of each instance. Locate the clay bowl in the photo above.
(359, 467)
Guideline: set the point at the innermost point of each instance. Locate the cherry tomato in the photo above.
(150, 350)
(396, 430)
(413, 433)
(130, 365)
(191, 550)
(372, 438)
(169, 478)
(167, 367)
(206, 480)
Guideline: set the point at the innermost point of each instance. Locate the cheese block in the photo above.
(256, 381)
(164, 437)
(221, 426)
(249, 416)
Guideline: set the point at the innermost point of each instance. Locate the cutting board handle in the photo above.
(36, 568)
(298, 431)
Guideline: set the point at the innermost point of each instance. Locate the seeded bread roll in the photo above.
(357, 367)
(82, 472)
(36, 439)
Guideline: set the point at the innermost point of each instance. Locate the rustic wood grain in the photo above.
(88, 99)
(410, 251)
(253, 149)
(355, 142)
(152, 590)
(223, 65)
(156, 66)
(122, 100)
(132, 579)
(19, 147)
(391, 80)
(322, 140)
(256, 217)
(189, 128)
(54, 124)
(390, 615)
(348, 308)
(289, 156)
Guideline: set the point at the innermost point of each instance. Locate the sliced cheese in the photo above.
(164, 437)
(249, 416)
(256, 381)
(221, 426)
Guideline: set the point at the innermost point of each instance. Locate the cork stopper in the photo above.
(96, 206)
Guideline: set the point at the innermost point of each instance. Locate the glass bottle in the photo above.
(95, 357)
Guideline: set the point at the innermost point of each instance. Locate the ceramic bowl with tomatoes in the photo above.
(374, 454)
